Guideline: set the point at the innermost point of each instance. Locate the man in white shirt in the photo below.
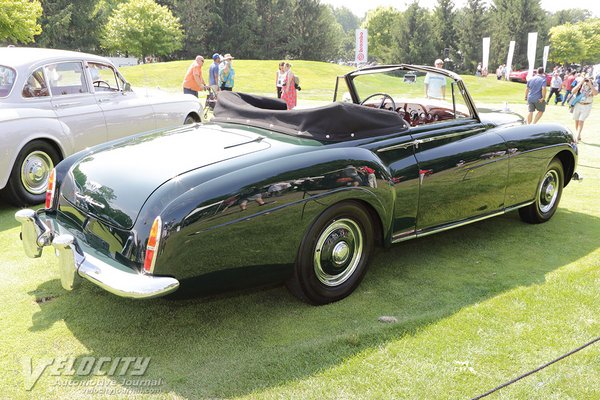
(435, 84)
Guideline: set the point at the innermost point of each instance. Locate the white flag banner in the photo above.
(511, 53)
(486, 54)
(531, 47)
(546, 51)
(362, 47)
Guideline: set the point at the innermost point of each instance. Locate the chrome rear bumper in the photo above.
(76, 260)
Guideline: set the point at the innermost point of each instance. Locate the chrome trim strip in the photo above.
(517, 206)
(398, 146)
(458, 224)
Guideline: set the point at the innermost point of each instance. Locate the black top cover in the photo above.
(333, 122)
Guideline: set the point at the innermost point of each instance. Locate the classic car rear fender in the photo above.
(531, 148)
(256, 217)
(16, 135)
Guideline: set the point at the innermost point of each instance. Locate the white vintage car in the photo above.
(54, 103)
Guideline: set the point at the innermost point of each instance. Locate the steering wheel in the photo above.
(100, 82)
(384, 96)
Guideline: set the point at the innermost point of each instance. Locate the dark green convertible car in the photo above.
(303, 196)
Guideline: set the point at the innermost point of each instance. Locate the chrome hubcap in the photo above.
(549, 191)
(338, 252)
(35, 171)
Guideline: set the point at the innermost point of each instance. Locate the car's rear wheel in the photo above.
(548, 195)
(334, 254)
(29, 177)
(190, 119)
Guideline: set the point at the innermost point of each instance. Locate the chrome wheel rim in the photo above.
(35, 171)
(549, 189)
(338, 252)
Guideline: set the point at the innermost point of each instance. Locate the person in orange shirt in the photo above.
(193, 81)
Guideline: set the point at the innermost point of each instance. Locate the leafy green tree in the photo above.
(415, 23)
(142, 28)
(72, 26)
(382, 22)
(349, 23)
(513, 20)
(590, 29)
(18, 20)
(566, 44)
(314, 33)
(443, 26)
(572, 15)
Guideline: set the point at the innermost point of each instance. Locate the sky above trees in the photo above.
(360, 7)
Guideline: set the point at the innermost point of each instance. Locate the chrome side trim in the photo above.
(458, 224)
(401, 237)
(517, 206)
(398, 146)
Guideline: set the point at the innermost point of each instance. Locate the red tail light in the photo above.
(152, 246)
(50, 190)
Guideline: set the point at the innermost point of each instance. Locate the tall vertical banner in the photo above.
(511, 53)
(531, 47)
(362, 47)
(486, 54)
(546, 51)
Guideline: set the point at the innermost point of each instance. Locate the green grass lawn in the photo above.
(475, 306)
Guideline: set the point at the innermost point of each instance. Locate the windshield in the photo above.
(7, 80)
(410, 87)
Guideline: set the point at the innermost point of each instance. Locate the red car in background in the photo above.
(521, 76)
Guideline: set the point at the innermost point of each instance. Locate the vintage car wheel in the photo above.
(190, 119)
(547, 196)
(29, 176)
(334, 254)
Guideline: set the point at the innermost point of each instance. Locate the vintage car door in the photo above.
(125, 112)
(73, 103)
(463, 170)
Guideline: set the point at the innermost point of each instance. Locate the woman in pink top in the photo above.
(288, 92)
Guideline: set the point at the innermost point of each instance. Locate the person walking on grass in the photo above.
(582, 109)
(288, 93)
(193, 81)
(213, 72)
(555, 86)
(535, 95)
(226, 73)
(280, 78)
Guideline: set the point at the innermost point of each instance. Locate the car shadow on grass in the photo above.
(245, 342)
(7, 216)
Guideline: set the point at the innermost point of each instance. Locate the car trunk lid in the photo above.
(113, 184)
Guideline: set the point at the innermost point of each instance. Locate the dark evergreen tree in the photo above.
(443, 26)
(71, 26)
(471, 27)
(414, 37)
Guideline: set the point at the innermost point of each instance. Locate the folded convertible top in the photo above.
(332, 122)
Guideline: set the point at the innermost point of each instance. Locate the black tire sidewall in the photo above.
(557, 166)
(15, 191)
(314, 290)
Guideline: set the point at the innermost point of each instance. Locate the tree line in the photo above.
(301, 29)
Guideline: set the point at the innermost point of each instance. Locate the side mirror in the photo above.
(127, 87)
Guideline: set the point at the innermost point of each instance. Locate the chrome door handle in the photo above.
(63, 105)
(103, 100)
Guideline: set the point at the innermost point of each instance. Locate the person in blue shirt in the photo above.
(535, 95)
(213, 73)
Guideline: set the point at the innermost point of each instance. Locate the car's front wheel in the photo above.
(334, 254)
(29, 177)
(547, 196)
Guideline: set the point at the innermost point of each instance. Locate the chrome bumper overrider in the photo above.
(76, 260)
